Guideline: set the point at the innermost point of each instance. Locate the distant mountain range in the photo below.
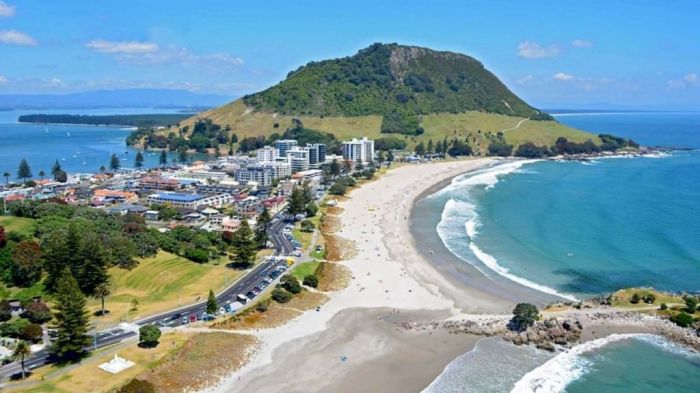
(126, 98)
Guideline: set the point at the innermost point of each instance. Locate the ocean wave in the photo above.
(460, 216)
(557, 373)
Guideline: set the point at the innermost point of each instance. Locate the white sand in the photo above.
(387, 271)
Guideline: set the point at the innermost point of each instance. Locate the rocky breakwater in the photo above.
(548, 333)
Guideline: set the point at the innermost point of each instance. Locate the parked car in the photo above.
(243, 298)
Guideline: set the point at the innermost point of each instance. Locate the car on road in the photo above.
(243, 298)
(175, 317)
(193, 318)
(185, 320)
(250, 294)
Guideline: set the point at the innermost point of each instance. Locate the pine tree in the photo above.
(261, 227)
(243, 245)
(90, 266)
(212, 307)
(114, 163)
(430, 146)
(56, 253)
(297, 201)
(24, 172)
(71, 320)
(163, 159)
(138, 161)
(55, 170)
(182, 152)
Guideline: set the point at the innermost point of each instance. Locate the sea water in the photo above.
(574, 229)
(78, 148)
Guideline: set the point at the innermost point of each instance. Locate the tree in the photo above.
(311, 281)
(335, 168)
(138, 386)
(56, 253)
(55, 169)
(296, 202)
(182, 155)
(5, 310)
(71, 318)
(138, 161)
(42, 174)
(635, 298)
(261, 227)
(380, 157)
(290, 283)
(102, 169)
(24, 172)
(163, 159)
(3, 237)
(62, 177)
(500, 149)
(212, 306)
(691, 303)
(89, 264)
(420, 149)
(114, 163)
(101, 292)
(6, 175)
(390, 156)
(243, 244)
(148, 336)
(26, 263)
(21, 352)
(524, 315)
(430, 146)
(307, 226)
(37, 312)
(311, 209)
(682, 319)
(281, 296)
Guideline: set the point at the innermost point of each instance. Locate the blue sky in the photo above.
(554, 54)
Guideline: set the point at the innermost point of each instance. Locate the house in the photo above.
(106, 196)
(191, 201)
(151, 215)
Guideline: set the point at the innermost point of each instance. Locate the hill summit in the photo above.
(395, 81)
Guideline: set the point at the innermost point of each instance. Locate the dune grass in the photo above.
(21, 225)
(159, 284)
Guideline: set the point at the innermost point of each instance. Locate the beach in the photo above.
(389, 273)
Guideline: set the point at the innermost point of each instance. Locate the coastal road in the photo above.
(175, 317)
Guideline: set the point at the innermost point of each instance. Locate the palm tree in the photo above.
(21, 352)
(101, 292)
(6, 175)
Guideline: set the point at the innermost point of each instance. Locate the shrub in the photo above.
(262, 305)
(138, 386)
(307, 226)
(291, 283)
(650, 298)
(281, 296)
(5, 311)
(682, 319)
(691, 303)
(148, 336)
(38, 312)
(524, 315)
(500, 149)
(311, 280)
(31, 332)
(636, 298)
(663, 306)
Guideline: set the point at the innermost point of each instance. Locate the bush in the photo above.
(311, 281)
(13, 328)
(311, 209)
(650, 298)
(31, 332)
(337, 189)
(38, 312)
(530, 150)
(682, 319)
(5, 311)
(291, 283)
(500, 149)
(138, 386)
(262, 305)
(663, 306)
(307, 226)
(524, 315)
(148, 336)
(636, 298)
(281, 296)
(691, 303)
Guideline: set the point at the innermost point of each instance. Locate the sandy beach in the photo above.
(388, 274)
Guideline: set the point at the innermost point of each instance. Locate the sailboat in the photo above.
(67, 133)
(46, 130)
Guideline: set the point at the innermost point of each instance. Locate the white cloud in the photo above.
(526, 80)
(579, 43)
(14, 37)
(6, 10)
(560, 76)
(3, 80)
(692, 78)
(129, 47)
(533, 50)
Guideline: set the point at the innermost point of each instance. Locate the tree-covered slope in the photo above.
(391, 79)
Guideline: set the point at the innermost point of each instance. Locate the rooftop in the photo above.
(176, 197)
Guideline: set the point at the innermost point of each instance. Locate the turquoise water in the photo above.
(78, 148)
(579, 228)
(582, 228)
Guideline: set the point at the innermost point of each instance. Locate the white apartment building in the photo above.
(298, 159)
(359, 150)
(284, 145)
(267, 154)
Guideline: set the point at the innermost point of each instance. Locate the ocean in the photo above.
(79, 149)
(576, 229)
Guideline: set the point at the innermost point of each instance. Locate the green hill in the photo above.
(387, 90)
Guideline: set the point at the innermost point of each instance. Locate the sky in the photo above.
(554, 54)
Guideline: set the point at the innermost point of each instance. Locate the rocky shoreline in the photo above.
(560, 332)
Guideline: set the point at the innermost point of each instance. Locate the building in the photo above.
(267, 154)
(104, 196)
(191, 201)
(361, 150)
(284, 145)
(317, 154)
(261, 174)
(298, 159)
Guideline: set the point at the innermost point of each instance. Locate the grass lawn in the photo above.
(160, 284)
(305, 269)
(21, 225)
(622, 298)
(87, 377)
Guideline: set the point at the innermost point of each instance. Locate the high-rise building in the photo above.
(317, 154)
(284, 145)
(267, 154)
(359, 150)
(298, 158)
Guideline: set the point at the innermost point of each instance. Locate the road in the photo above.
(175, 317)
